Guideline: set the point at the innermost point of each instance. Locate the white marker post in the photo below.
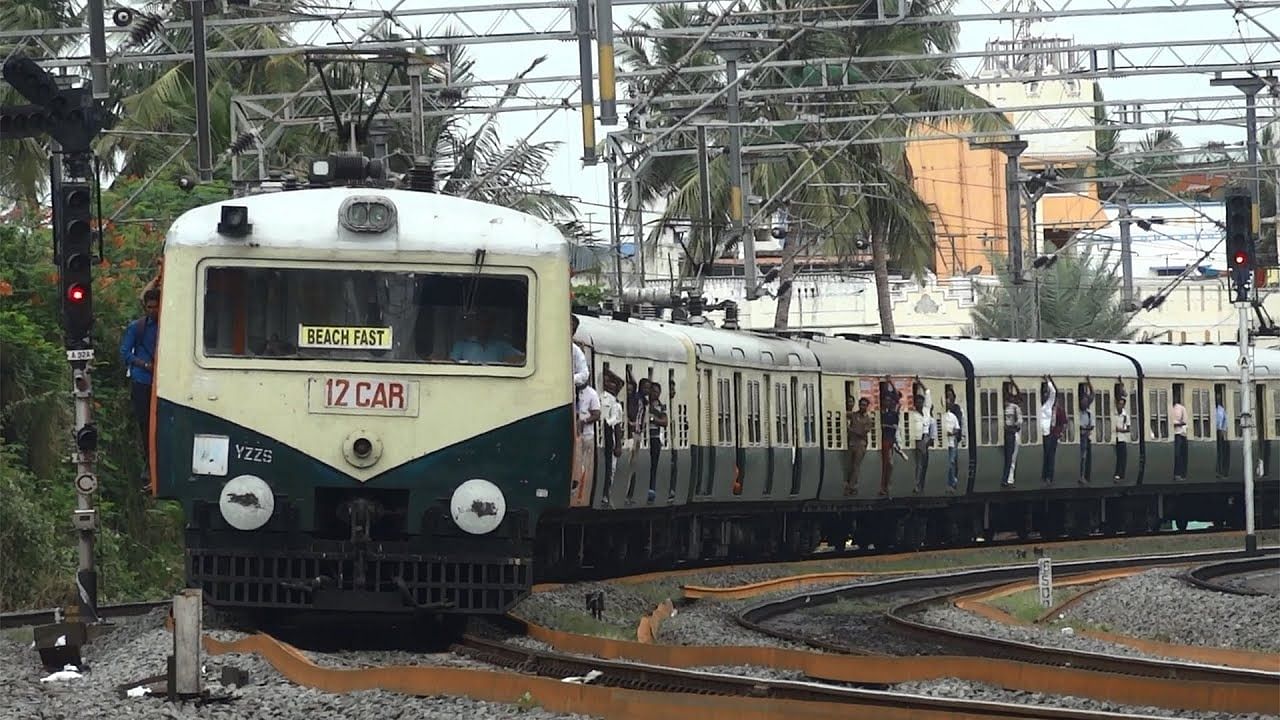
(1046, 581)
(188, 622)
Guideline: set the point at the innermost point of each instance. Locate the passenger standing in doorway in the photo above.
(1012, 426)
(1048, 436)
(860, 423)
(1122, 437)
(138, 353)
(657, 424)
(1179, 419)
(581, 370)
(890, 415)
(1086, 432)
(953, 434)
(921, 430)
(588, 415)
(1220, 428)
(613, 415)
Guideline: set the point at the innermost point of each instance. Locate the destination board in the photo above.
(344, 338)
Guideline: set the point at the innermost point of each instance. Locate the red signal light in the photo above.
(1239, 258)
(77, 293)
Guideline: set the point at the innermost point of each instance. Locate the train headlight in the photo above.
(246, 502)
(478, 506)
(367, 214)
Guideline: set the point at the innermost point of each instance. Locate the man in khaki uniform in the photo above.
(860, 424)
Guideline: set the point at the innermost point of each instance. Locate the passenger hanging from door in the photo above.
(1122, 433)
(1048, 429)
(1179, 419)
(1012, 426)
(1086, 431)
(1220, 431)
(953, 433)
(657, 426)
(860, 424)
(588, 409)
(890, 416)
(921, 430)
(613, 415)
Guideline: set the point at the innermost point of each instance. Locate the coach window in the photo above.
(1201, 414)
(365, 315)
(990, 408)
(1158, 413)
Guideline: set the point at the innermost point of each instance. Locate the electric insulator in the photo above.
(145, 29)
(243, 142)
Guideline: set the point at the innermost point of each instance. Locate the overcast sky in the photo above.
(568, 176)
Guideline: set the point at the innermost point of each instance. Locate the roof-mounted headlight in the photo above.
(367, 214)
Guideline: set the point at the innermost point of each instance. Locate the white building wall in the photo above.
(1197, 311)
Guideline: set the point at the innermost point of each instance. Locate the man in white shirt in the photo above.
(951, 431)
(921, 430)
(1049, 441)
(581, 371)
(588, 411)
(614, 417)
(1012, 426)
(1179, 419)
(1122, 436)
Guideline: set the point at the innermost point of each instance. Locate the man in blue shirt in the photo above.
(478, 345)
(138, 353)
(1224, 450)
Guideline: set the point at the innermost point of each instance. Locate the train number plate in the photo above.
(362, 395)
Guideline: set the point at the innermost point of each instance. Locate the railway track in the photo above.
(1210, 575)
(664, 685)
(947, 586)
(46, 616)
(655, 678)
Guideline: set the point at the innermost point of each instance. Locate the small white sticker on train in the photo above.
(344, 338)
(362, 394)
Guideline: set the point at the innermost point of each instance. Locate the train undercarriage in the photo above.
(573, 545)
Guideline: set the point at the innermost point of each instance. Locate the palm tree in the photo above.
(1077, 297)
(891, 214)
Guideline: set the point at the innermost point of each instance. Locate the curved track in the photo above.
(956, 583)
(1262, 576)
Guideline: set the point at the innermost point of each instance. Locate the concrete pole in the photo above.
(416, 126)
(1126, 250)
(98, 68)
(200, 70)
(737, 198)
(582, 19)
(604, 43)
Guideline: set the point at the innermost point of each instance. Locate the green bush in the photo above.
(139, 549)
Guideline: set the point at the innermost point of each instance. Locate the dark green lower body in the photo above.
(386, 545)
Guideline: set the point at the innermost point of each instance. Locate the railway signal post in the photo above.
(1241, 261)
(72, 119)
(1242, 233)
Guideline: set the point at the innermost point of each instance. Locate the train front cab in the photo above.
(316, 475)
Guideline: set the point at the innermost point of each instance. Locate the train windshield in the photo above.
(366, 315)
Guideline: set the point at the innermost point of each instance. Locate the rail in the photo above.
(1204, 576)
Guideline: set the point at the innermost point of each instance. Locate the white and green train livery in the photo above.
(363, 399)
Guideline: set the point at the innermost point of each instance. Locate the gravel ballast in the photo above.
(953, 688)
(137, 649)
(1158, 605)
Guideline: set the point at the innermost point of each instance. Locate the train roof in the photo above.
(873, 355)
(736, 347)
(425, 222)
(999, 358)
(1191, 361)
(630, 339)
